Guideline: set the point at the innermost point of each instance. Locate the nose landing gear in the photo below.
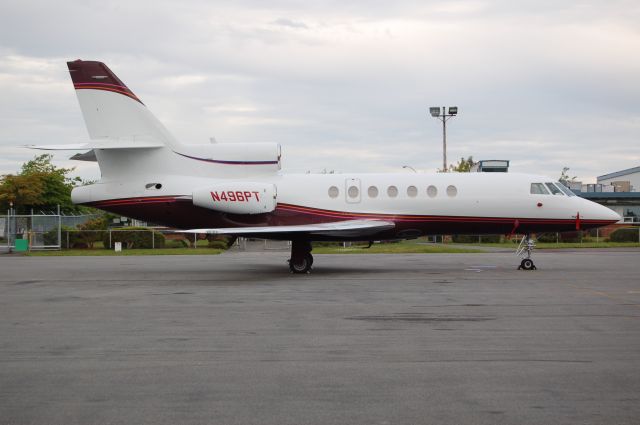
(525, 249)
(301, 259)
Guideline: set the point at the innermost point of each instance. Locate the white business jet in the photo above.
(238, 189)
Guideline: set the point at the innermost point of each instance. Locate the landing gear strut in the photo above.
(525, 249)
(301, 259)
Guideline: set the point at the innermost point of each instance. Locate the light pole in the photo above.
(442, 115)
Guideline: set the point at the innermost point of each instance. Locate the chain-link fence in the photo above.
(57, 231)
(40, 231)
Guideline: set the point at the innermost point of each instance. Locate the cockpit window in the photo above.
(538, 189)
(552, 187)
(565, 189)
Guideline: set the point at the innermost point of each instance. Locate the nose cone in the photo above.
(597, 212)
(609, 214)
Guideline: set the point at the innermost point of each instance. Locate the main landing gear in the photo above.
(301, 259)
(525, 249)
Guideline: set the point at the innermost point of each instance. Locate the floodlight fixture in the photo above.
(441, 114)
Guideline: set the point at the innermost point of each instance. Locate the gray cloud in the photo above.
(342, 87)
(290, 23)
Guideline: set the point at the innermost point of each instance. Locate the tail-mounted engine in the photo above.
(237, 197)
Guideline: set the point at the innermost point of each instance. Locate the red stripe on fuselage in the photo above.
(423, 218)
(333, 215)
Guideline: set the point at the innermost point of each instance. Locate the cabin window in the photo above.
(353, 191)
(452, 191)
(538, 189)
(333, 192)
(412, 191)
(392, 191)
(432, 191)
(565, 189)
(373, 192)
(552, 187)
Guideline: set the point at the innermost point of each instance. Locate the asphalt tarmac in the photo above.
(364, 339)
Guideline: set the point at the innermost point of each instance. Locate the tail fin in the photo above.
(110, 109)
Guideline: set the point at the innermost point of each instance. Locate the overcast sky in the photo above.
(340, 85)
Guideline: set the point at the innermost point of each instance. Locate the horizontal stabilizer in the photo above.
(99, 144)
(349, 228)
(69, 147)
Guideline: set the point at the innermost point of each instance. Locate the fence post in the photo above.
(67, 239)
(59, 228)
(153, 240)
(109, 238)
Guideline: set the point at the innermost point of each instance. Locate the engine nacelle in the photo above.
(237, 197)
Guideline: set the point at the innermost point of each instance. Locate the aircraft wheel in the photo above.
(302, 265)
(527, 264)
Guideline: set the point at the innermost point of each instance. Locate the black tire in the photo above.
(310, 260)
(527, 264)
(302, 266)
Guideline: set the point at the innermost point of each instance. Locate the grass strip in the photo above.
(125, 252)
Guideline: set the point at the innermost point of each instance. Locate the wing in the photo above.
(349, 228)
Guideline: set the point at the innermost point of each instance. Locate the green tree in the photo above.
(20, 190)
(463, 166)
(39, 184)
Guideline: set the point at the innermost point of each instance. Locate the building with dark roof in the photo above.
(619, 178)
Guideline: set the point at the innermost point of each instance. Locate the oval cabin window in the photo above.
(452, 191)
(392, 191)
(412, 191)
(432, 191)
(373, 192)
(333, 192)
(353, 192)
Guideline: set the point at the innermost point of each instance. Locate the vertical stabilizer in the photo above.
(110, 109)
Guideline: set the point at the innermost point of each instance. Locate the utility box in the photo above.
(491, 166)
(622, 186)
(22, 245)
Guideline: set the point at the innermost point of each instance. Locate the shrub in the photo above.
(548, 237)
(176, 243)
(86, 234)
(477, 238)
(624, 235)
(221, 242)
(51, 237)
(567, 237)
(134, 238)
(218, 244)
